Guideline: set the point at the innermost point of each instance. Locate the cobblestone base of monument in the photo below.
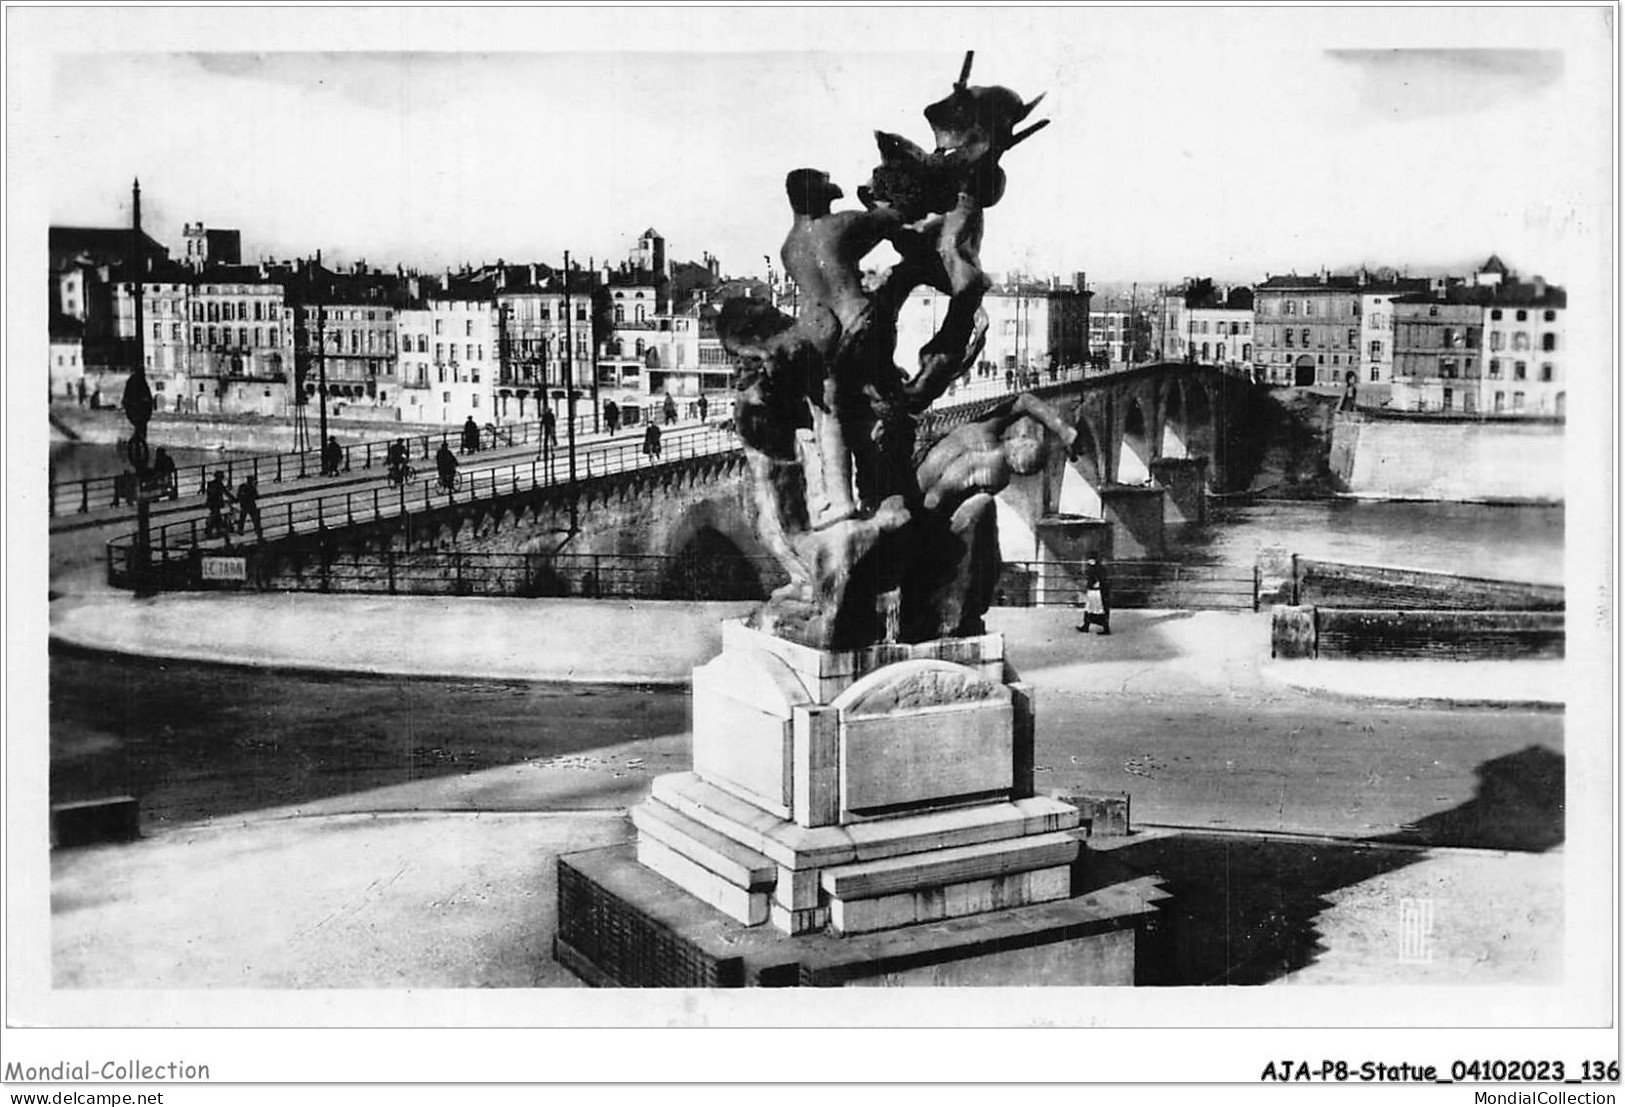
(622, 924)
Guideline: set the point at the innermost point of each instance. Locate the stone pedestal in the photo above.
(838, 794)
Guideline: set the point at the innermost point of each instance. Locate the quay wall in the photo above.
(1458, 460)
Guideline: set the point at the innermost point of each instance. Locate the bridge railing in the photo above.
(1130, 584)
(95, 493)
(173, 542)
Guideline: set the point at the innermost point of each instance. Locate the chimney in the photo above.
(531, 271)
(1540, 286)
(318, 256)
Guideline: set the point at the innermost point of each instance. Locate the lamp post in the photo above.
(138, 410)
(570, 388)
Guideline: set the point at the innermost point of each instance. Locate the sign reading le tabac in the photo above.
(225, 568)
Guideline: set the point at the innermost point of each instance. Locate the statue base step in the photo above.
(869, 875)
(622, 924)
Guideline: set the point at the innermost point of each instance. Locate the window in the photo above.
(1218, 352)
(1308, 307)
(1376, 373)
(1447, 368)
(620, 313)
(1289, 307)
(242, 310)
(475, 398)
(1495, 368)
(1522, 316)
(440, 351)
(214, 312)
(1246, 351)
(259, 335)
(213, 338)
(174, 332)
(1204, 351)
(1306, 338)
(480, 350)
(271, 334)
(1354, 338)
(437, 323)
(197, 336)
(423, 343)
(1449, 399)
(259, 311)
(1376, 350)
(1546, 371)
(157, 332)
(1549, 316)
(1517, 401)
(1500, 402)
(1548, 341)
(445, 397)
(468, 328)
(1519, 370)
(1288, 333)
(1495, 313)
(1204, 326)
(471, 351)
(1520, 341)
(1497, 340)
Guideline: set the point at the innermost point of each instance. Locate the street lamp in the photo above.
(137, 405)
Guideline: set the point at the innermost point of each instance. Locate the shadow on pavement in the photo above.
(1518, 806)
(195, 741)
(1244, 910)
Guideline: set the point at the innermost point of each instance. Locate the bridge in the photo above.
(1153, 442)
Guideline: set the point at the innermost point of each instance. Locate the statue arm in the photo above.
(1030, 406)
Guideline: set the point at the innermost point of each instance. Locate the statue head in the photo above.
(1024, 447)
(811, 191)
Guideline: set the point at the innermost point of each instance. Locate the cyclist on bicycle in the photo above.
(446, 462)
(399, 467)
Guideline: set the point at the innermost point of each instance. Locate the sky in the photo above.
(1227, 142)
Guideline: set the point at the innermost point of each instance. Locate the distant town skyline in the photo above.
(1228, 142)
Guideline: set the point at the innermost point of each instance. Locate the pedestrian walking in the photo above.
(651, 440)
(446, 463)
(248, 505)
(471, 436)
(332, 457)
(163, 467)
(612, 416)
(216, 496)
(549, 421)
(704, 405)
(81, 392)
(670, 410)
(1096, 596)
(1009, 380)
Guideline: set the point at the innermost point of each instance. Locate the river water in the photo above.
(71, 461)
(1503, 543)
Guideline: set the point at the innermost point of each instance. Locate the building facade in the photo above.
(239, 354)
(1307, 330)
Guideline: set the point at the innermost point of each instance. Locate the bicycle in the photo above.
(454, 484)
(402, 474)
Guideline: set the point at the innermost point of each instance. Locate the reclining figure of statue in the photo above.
(957, 560)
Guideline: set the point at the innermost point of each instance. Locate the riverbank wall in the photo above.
(1419, 457)
(244, 434)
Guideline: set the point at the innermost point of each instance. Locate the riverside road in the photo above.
(199, 742)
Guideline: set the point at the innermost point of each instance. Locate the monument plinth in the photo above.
(861, 805)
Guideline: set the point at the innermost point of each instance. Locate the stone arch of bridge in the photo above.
(714, 553)
(1136, 448)
(1083, 472)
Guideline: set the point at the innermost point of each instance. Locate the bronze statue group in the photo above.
(882, 541)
